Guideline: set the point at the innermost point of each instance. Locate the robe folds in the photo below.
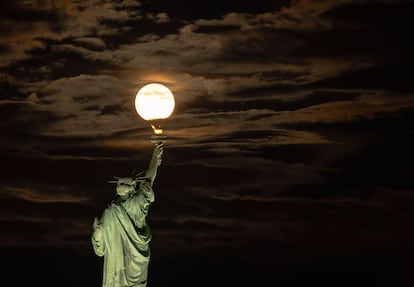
(124, 240)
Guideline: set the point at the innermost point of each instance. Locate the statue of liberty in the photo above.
(122, 235)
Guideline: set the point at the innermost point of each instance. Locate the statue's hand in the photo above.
(96, 223)
(97, 234)
(159, 146)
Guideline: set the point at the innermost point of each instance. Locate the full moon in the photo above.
(154, 101)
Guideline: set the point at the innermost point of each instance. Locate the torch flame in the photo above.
(157, 129)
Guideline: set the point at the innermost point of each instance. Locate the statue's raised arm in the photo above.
(154, 163)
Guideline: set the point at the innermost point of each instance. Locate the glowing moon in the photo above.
(154, 101)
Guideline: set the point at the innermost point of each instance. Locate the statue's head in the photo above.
(124, 185)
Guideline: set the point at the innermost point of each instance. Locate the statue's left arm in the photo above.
(97, 238)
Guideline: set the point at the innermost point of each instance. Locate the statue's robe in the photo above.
(125, 240)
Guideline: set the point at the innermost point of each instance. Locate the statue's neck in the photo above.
(121, 198)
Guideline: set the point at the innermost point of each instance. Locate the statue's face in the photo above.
(125, 185)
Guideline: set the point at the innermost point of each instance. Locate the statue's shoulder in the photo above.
(112, 208)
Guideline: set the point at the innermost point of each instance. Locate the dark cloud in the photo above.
(388, 15)
(27, 11)
(393, 78)
(379, 28)
(212, 9)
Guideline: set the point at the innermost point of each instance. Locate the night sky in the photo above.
(289, 156)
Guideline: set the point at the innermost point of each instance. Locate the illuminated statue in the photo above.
(121, 235)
